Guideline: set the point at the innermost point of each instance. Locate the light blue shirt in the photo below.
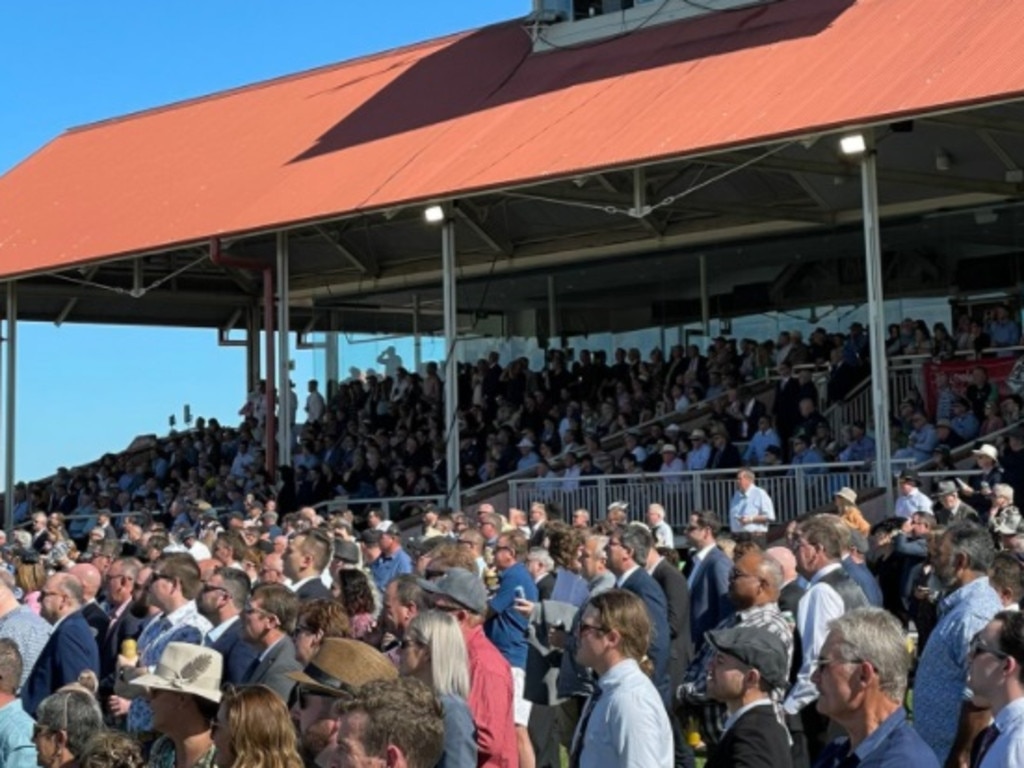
(922, 442)
(17, 750)
(941, 679)
(29, 632)
(755, 502)
(967, 426)
(758, 444)
(698, 458)
(629, 726)
(859, 450)
(1008, 748)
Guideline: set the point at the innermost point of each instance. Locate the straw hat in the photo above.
(341, 665)
(186, 668)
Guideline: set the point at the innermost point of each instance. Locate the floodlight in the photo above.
(434, 214)
(853, 144)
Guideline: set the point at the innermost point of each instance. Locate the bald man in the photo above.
(71, 648)
(89, 576)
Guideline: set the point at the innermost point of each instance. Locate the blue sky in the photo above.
(87, 390)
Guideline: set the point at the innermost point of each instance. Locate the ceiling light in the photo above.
(942, 160)
(853, 144)
(434, 214)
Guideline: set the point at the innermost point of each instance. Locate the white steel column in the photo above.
(876, 315)
(284, 410)
(9, 392)
(453, 491)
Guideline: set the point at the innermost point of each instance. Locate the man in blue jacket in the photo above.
(71, 648)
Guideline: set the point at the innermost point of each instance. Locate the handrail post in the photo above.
(801, 492)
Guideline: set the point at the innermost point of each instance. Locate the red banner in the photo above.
(1001, 372)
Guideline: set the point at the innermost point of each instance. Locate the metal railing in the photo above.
(795, 490)
(391, 508)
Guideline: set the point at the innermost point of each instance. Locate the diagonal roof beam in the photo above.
(70, 304)
(367, 265)
(470, 216)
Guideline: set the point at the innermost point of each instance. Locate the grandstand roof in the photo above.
(337, 153)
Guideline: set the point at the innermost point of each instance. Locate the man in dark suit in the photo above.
(787, 402)
(627, 555)
(540, 565)
(709, 579)
(268, 621)
(121, 578)
(677, 597)
(305, 559)
(221, 600)
(71, 648)
(750, 662)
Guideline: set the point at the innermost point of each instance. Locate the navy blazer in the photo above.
(314, 589)
(641, 584)
(238, 654)
(709, 595)
(70, 651)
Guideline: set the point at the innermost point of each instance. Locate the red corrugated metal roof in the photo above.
(479, 111)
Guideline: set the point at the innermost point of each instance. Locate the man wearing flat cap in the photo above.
(749, 663)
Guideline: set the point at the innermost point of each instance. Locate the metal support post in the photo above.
(10, 392)
(417, 342)
(876, 326)
(705, 306)
(285, 415)
(453, 492)
(553, 330)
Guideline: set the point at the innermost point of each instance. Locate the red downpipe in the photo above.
(270, 422)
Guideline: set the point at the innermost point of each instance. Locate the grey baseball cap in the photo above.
(460, 586)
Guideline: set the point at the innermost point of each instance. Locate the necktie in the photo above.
(985, 740)
(581, 729)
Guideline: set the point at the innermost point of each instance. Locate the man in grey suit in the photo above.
(268, 621)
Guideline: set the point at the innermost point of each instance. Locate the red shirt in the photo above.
(491, 702)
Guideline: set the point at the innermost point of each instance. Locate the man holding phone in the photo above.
(508, 629)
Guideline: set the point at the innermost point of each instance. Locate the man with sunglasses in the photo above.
(268, 621)
(172, 588)
(861, 675)
(71, 648)
(220, 601)
(995, 660)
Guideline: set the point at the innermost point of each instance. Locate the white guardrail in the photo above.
(795, 490)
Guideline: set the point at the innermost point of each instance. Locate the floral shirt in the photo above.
(183, 625)
(163, 755)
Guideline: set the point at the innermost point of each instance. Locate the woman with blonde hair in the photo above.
(434, 652)
(254, 730)
(846, 507)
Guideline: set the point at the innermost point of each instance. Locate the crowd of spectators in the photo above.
(511, 638)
